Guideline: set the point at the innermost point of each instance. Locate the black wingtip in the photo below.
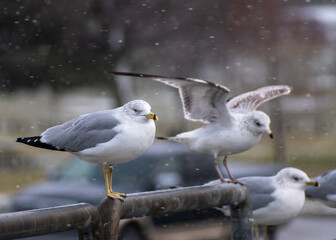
(143, 75)
(28, 140)
(36, 142)
(129, 74)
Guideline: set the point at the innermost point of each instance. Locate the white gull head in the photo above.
(294, 178)
(257, 123)
(139, 110)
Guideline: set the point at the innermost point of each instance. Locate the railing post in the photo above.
(241, 221)
(110, 211)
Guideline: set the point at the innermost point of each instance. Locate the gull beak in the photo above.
(313, 183)
(152, 116)
(270, 134)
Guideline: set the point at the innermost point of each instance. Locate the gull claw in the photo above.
(234, 181)
(116, 195)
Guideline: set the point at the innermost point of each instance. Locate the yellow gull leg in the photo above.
(110, 171)
(256, 231)
(264, 228)
(108, 184)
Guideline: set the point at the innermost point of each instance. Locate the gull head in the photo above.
(139, 110)
(294, 178)
(259, 123)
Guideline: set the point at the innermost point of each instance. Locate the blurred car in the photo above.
(165, 165)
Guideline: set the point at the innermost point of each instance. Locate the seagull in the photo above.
(230, 125)
(106, 137)
(327, 192)
(276, 199)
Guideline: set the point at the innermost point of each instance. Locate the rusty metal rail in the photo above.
(82, 216)
(179, 200)
(104, 223)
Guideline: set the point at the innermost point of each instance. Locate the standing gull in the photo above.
(327, 192)
(231, 126)
(106, 137)
(276, 199)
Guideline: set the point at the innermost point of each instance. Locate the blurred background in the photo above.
(54, 56)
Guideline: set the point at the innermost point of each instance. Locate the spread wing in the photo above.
(250, 101)
(202, 100)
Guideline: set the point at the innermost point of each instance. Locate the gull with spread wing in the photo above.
(231, 126)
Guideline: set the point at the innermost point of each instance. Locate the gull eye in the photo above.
(135, 110)
(296, 178)
(257, 123)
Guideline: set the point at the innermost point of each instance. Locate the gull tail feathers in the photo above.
(162, 138)
(168, 138)
(36, 142)
(175, 139)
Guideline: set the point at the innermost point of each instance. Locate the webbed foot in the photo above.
(116, 195)
(234, 181)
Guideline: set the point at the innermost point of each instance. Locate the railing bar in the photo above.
(183, 199)
(104, 225)
(179, 200)
(29, 223)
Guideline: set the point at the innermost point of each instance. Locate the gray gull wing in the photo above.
(260, 189)
(81, 133)
(327, 187)
(202, 100)
(250, 101)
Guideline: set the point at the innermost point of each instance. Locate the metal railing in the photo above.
(83, 217)
(103, 223)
